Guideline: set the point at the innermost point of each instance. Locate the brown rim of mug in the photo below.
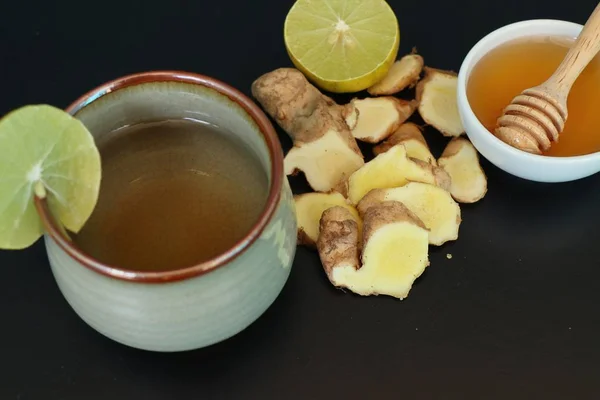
(275, 154)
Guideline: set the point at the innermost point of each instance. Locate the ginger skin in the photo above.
(324, 148)
(299, 108)
(386, 212)
(404, 73)
(431, 204)
(338, 241)
(309, 210)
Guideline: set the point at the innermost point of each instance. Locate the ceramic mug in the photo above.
(200, 305)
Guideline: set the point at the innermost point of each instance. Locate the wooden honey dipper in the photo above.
(536, 117)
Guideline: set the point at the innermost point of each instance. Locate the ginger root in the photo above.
(372, 223)
(378, 117)
(431, 204)
(338, 242)
(461, 161)
(392, 169)
(351, 115)
(394, 250)
(324, 148)
(409, 134)
(310, 208)
(436, 94)
(402, 74)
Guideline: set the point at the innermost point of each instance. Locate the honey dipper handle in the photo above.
(584, 49)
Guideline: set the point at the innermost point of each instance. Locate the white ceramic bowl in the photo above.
(516, 162)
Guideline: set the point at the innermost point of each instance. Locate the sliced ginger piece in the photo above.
(380, 116)
(461, 161)
(342, 186)
(442, 178)
(309, 209)
(438, 107)
(394, 252)
(409, 134)
(325, 162)
(403, 73)
(392, 169)
(351, 114)
(431, 204)
(338, 241)
(324, 148)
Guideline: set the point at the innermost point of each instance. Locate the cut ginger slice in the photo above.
(324, 148)
(402, 74)
(338, 242)
(309, 209)
(325, 161)
(350, 114)
(392, 169)
(409, 134)
(394, 253)
(461, 161)
(378, 117)
(431, 204)
(438, 107)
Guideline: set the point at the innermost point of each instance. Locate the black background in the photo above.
(514, 313)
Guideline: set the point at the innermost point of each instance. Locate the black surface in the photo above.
(514, 314)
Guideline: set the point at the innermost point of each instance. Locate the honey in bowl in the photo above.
(517, 65)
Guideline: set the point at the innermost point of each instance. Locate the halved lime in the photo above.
(342, 45)
(44, 151)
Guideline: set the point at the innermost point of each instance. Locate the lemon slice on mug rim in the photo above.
(45, 152)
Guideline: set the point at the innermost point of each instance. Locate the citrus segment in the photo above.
(46, 152)
(342, 45)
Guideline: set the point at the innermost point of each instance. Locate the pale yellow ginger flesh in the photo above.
(461, 161)
(324, 148)
(394, 253)
(392, 169)
(436, 94)
(402, 74)
(309, 209)
(379, 117)
(432, 204)
(351, 115)
(338, 242)
(325, 162)
(409, 134)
